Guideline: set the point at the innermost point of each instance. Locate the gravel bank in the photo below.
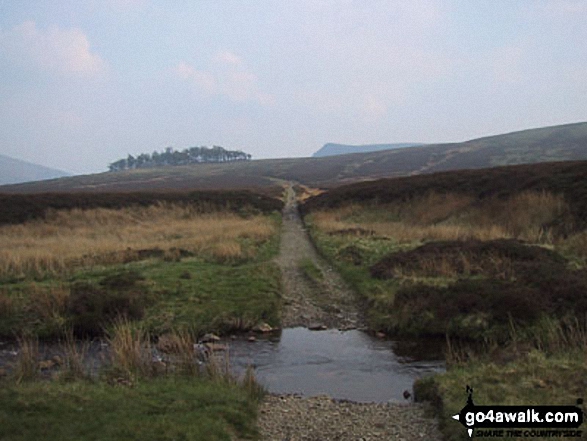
(293, 418)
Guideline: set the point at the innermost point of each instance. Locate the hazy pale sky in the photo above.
(83, 83)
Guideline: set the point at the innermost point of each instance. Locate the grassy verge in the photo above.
(533, 379)
(160, 409)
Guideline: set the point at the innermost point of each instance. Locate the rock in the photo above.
(57, 360)
(159, 367)
(209, 338)
(252, 339)
(167, 343)
(46, 365)
(317, 327)
(262, 328)
(380, 335)
(215, 347)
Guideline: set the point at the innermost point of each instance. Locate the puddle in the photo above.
(349, 365)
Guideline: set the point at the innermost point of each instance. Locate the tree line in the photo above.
(191, 155)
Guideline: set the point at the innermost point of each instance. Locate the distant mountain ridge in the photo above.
(332, 149)
(15, 171)
(547, 144)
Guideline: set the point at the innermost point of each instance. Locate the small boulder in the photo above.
(45, 365)
(216, 347)
(159, 367)
(252, 339)
(168, 343)
(263, 328)
(209, 338)
(317, 327)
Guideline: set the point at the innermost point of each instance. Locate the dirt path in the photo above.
(329, 302)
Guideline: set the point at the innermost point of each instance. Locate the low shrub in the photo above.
(93, 307)
(495, 258)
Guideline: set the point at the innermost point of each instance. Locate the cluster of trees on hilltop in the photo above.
(192, 155)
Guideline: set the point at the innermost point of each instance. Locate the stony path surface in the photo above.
(294, 418)
(329, 302)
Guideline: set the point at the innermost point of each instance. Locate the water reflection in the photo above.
(344, 365)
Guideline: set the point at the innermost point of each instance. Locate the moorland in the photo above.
(135, 271)
(492, 260)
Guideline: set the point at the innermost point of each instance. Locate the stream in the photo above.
(347, 365)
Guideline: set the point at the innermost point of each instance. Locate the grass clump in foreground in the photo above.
(133, 398)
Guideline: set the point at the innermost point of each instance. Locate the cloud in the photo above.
(566, 7)
(373, 108)
(226, 75)
(66, 51)
(204, 81)
(226, 57)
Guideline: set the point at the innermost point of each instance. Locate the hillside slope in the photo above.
(14, 171)
(332, 149)
(558, 143)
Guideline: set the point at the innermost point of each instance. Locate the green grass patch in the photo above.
(535, 379)
(159, 409)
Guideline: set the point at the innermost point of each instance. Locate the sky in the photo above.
(84, 83)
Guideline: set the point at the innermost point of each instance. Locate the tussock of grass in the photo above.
(131, 350)
(26, 367)
(74, 354)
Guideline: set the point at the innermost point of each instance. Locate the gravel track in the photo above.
(332, 303)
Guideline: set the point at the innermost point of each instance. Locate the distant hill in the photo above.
(13, 171)
(558, 143)
(332, 149)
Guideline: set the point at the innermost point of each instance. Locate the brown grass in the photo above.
(74, 355)
(528, 216)
(130, 350)
(69, 239)
(26, 367)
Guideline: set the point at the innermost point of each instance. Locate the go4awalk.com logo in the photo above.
(520, 421)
